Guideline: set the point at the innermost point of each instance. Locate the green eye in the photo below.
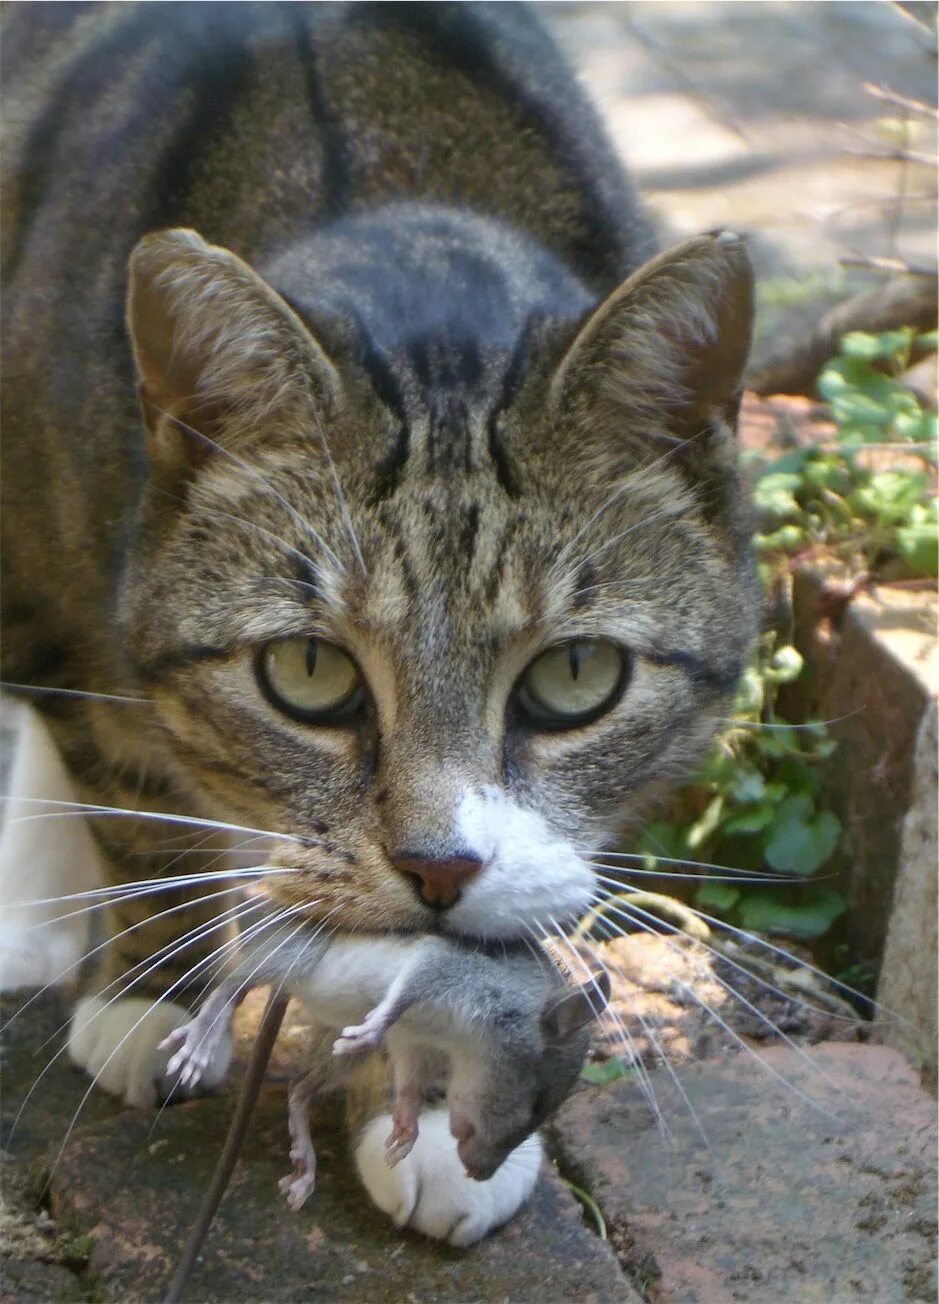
(310, 680)
(572, 683)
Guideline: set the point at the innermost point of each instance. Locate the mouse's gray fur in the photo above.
(510, 1033)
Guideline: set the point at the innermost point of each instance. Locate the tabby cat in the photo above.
(368, 479)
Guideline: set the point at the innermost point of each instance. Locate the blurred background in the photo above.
(765, 116)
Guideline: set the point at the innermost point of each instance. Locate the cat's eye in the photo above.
(310, 680)
(573, 683)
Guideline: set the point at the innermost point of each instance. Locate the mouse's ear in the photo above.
(571, 1008)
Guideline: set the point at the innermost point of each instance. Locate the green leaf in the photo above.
(750, 821)
(717, 896)
(606, 1071)
(747, 785)
(891, 495)
(770, 912)
(918, 545)
(801, 839)
(662, 839)
(859, 344)
(773, 495)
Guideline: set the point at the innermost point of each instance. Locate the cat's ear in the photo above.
(663, 356)
(218, 352)
(571, 1008)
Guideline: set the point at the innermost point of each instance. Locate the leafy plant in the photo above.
(756, 805)
(868, 500)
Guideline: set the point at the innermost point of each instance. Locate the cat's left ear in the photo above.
(664, 354)
(571, 1008)
(218, 352)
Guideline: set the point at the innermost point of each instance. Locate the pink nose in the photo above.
(438, 881)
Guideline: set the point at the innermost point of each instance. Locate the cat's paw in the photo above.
(37, 957)
(429, 1190)
(118, 1044)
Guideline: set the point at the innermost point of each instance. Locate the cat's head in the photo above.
(447, 621)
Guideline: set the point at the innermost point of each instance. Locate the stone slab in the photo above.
(133, 1184)
(872, 669)
(792, 1204)
(908, 971)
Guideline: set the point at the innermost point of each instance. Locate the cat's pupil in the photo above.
(311, 657)
(573, 660)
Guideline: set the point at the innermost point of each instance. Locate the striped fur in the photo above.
(409, 384)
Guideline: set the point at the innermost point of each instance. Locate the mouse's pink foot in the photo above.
(299, 1185)
(297, 1188)
(403, 1133)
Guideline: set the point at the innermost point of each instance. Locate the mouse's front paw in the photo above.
(363, 1036)
(192, 1050)
(119, 1044)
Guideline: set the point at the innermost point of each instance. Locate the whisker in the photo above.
(670, 1069)
(255, 474)
(803, 964)
(721, 955)
(340, 496)
(81, 808)
(732, 877)
(635, 1059)
(731, 1032)
(183, 905)
(41, 690)
(154, 885)
(62, 1049)
(696, 864)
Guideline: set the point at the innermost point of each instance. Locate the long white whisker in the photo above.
(735, 1037)
(635, 1059)
(740, 876)
(183, 905)
(41, 690)
(79, 808)
(255, 474)
(722, 956)
(143, 885)
(62, 1049)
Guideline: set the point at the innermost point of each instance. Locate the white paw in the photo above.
(34, 957)
(429, 1190)
(118, 1044)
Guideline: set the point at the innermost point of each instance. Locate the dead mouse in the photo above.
(513, 1033)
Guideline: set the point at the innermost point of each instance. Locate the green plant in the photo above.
(755, 805)
(867, 499)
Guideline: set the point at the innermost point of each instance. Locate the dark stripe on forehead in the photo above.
(335, 198)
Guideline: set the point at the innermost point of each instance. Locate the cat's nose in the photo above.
(439, 882)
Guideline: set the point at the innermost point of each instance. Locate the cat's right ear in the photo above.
(219, 354)
(662, 358)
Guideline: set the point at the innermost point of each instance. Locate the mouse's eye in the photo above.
(311, 680)
(573, 683)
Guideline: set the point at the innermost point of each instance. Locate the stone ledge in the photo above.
(133, 1185)
(792, 1204)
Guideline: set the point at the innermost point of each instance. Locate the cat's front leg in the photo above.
(429, 1190)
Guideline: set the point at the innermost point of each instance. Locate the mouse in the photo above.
(508, 1032)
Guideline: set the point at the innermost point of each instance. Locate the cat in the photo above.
(369, 479)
